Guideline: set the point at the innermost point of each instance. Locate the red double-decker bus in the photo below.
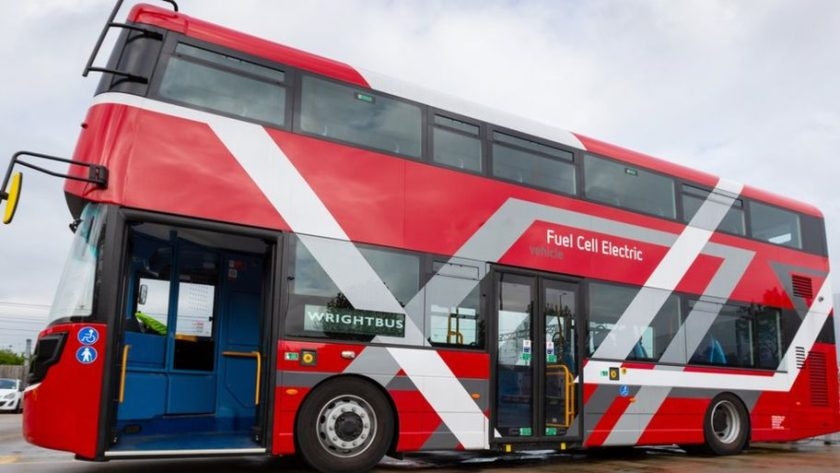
(277, 254)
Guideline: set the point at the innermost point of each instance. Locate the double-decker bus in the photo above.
(276, 254)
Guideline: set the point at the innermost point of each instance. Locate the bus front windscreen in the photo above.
(74, 296)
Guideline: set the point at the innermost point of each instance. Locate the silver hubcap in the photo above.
(726, 423)
(346, 426)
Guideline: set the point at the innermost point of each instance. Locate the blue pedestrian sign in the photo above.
(88, 336)
(624, 390)
(86, 355)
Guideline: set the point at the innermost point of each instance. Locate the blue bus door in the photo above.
(192, 375)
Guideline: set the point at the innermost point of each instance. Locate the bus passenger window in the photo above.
(741, 336)
(225, 84)
(629, 187)
(531, 163)
(319, 308)
(456, 144)
(361, 117)
(775, 225)
(453, 316)
(733, 222)
(608, 303)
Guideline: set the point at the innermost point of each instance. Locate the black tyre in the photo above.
(344, 426)
(726, 425)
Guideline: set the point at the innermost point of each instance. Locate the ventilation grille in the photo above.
(800, 357)
(802, 287)
(817, 379)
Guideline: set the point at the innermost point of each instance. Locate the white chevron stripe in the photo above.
(649, 301)
(670, 271)
(300, 206)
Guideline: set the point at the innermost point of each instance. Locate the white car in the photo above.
(11, 395)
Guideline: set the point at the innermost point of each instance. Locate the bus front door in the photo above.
(536, 362)
(191, 371)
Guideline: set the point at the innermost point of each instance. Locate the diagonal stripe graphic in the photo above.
(292, 197)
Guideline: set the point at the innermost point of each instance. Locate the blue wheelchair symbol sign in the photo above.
(86, 355)
(624, 390)
(88, 336)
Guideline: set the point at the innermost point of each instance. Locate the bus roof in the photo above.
(269, 50)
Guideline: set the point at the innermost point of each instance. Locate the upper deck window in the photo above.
(360, 116)
(733, 222)
(532, 163)
(225, 84)
(775, 225)
(626, 186)
(456, 143)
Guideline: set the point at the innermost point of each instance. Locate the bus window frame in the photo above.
(574, 160)
(482, 135)
(168, 51)
(294, 300)
(683, 185)
(676, 197)
(296, 128)
(799, 230)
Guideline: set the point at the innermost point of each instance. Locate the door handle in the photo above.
(258, 357)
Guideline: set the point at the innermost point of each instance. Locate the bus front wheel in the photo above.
(344, 425)
(726, 425)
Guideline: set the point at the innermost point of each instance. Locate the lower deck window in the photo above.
(453, 306)
(607, 305)
(741, 336)
(319, 308)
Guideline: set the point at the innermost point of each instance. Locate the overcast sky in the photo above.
(748, 90)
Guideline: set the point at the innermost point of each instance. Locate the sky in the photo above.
(747, 90)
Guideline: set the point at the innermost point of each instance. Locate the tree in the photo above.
(8, 357)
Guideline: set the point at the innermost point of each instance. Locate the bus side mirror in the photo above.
(11, 197)
(10, 189)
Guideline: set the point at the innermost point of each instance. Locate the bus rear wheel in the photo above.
(726, 425)
(344, 426)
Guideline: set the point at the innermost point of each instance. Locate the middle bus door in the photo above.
(536, 363)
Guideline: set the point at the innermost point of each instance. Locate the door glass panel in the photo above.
(559, 307)
(198, 277)
(153, 306)
(514, 387)
(195, 310)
